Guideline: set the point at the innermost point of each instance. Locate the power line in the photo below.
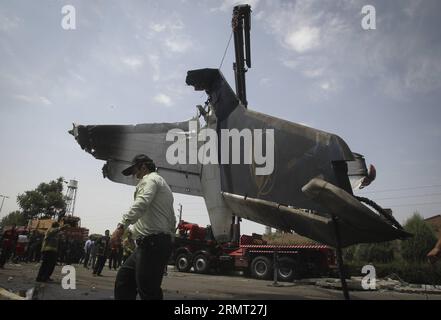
(416, 196)
(225, 53)
(406, 188)
(415, 204)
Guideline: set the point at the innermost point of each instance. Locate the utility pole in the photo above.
(3, 200)
(180, 213)
(180, 217)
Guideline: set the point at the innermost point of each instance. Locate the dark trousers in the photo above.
(125, 257)
(119, 256)
(86, 259)
(6, 254)
(143, 271)
(99, 264)
(113, 259)
(49, 260)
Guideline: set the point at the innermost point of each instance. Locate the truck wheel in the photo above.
(261, 267)
(183, 262)
(201, 264)
(287, 269)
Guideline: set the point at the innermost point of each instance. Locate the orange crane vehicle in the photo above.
(74, 231)
(195, 247)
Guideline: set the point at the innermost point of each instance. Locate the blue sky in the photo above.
(126, 63)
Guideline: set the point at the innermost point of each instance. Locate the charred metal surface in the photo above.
(281, 217)
(358, 173)
(357, 222)
(301, 153)
(118, 144)
(317, 162)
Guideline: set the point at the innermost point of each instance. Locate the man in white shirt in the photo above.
(87, 247)
(153, 220)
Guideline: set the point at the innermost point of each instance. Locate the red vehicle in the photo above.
(194, 247)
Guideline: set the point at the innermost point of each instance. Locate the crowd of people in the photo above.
(20, 245)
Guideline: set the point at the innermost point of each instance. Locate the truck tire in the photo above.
(287, 270)
(201, 264)
(183, 263)
(261, 268)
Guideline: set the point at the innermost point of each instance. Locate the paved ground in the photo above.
(184, 286)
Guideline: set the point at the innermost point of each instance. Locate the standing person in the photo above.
(154, 223)
(102, 253)
(49, 252)
(87, 249)
(9, 240)
(93, 249)
(39, 244)
(62, 249)
(115, 246)
(128, 246)
(30, 253)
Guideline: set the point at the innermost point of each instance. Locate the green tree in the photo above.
(416, 248)
(46, 200)
(375, 252)
(15, 217)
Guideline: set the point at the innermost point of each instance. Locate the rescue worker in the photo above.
(87, 249)
(128, 246)
(102, 252)
(8, 243)
(49, 252)
(93, 250)
(153, 220)
(30, 253)
(115, 247)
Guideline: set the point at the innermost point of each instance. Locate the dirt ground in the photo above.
(183, 286)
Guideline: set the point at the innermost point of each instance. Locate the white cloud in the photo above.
(303, 39)
(76, 75)
(325, 43)
(133, 62)
(173, 37)
(265, 82)
(170, 24)
(313, 73)
(228, 5)
(179, 44)
(325, 85)
(158, 27)
(38, 100)
(154, 63)
(8, 23)
(412, 8)
(163, 99)
(423, 74)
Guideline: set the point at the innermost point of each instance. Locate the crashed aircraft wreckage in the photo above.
(311, 184)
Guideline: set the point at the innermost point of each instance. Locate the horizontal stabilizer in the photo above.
(358, 222)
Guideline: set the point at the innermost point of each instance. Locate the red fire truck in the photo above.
(195, 248)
